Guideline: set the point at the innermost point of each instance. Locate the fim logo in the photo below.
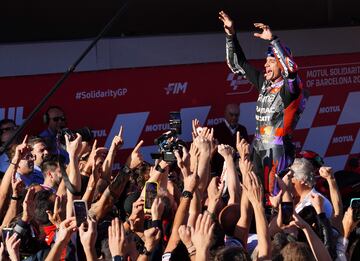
(236, 80)
(176, 88)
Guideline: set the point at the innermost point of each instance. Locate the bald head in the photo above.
(232, 113)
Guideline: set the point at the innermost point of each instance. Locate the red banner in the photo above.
(140, 99)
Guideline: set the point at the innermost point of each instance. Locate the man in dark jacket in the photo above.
(225, 133)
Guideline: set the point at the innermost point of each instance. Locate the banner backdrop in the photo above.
(140, 99)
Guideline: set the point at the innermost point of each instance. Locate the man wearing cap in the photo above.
(280, 102)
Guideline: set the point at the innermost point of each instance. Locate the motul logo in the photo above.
(329, 109)
(99, 133)
(342, 139)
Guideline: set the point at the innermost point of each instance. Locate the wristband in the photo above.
(144, 251)
(187, 194)
(193, 253)
(212, 215)
(159, 168)
(156, 223)
(88, 173)
(12, 163)
(15, 198)
(126, 170)
(191, 249)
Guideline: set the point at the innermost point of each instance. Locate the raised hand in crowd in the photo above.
(214, 191)
(12, 246)
(326, 172)
(203, 165)
(117, 186)
(203, 144)
(95, 154)
(66, 229)
(208, 134)
(242, 147)
(194, 156)
(317, 202)
(253, 189)
(135, 158)
(118, 140)
(201, 236)
(317, 246)
(348, 222)
(28, 206)
(152, 237)
(22, 151)
(57, 215)
(226, 151)
(185, 236)
(157, 209)
(136, 218)
(116, 144)
(183, 161)
(96, 173)
(325, 232)
(88, 234)
(286, 189)
(335, 196)
(17, 191)
(73, 147)
(286, 185)
(17, 186)
(275, 200)
(246, 167)
(232, 178)
(116, 234)
(191, 182)
(196, 128)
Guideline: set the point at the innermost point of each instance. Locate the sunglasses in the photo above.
(61, 118)
(7, 129)
(234, 114)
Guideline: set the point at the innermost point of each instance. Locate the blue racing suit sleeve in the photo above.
(287, 63)
(289, 70)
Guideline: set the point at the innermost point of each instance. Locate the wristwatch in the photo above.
(117, 258)
(144, 251)
(187, 194)
(159, 168)
(15, 198)
(126, 170)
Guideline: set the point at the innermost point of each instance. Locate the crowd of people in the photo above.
(221, 199)
(197, 214)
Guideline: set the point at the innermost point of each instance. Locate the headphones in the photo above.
(46, 117)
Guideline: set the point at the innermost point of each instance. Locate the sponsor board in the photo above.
(329, 125)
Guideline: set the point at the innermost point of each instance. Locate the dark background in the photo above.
(44, 20)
